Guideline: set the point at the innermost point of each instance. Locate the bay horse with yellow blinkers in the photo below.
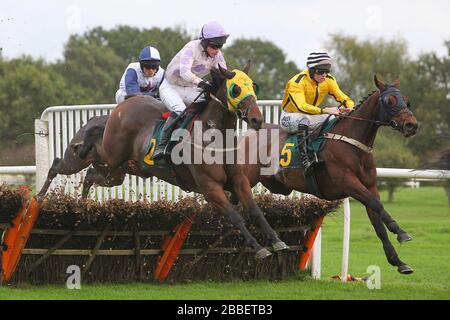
(126, 142)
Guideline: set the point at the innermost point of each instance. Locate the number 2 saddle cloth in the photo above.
(183, 123)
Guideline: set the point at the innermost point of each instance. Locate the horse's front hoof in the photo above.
(39, 198)
(405, 269)
(234, 199)
(262, 254)
(404, 237)
(280, 246)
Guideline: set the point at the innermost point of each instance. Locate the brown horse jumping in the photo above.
(126, 141)
(349, 168)
(83, 151)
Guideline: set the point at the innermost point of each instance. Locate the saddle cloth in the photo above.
(183, 122)
(290, 153)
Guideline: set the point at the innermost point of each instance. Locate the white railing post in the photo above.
(346, 240)
(315, 258)
(42, 152)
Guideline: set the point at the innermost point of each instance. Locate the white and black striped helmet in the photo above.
(318, 58)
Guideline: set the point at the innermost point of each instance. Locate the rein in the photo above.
(383, 114)
(241, 114)
(218, 101)
(213, 97)
(386, 112)
(381, 123)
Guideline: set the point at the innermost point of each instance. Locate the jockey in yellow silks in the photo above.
(304, 94)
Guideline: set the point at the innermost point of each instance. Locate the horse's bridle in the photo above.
(242, 114)
(384, 116)
(387, 112)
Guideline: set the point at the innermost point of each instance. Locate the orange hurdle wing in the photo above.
(21, 238)
(8, 240)
(172, 247)
(309, 243)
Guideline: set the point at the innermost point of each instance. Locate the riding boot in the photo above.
(305, 158)
(160, 151)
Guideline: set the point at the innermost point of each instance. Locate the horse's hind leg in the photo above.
(101, 178)
(52, 173)
(61, 166)
(244, 193)
(92, 176)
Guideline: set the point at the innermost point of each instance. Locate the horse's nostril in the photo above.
(256, 123)
(411, 127)
(393, 124)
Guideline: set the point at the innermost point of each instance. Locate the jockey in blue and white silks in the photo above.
(183, 79)
(143, 77)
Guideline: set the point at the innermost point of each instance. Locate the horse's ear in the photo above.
(397, 82)
(225, 73)
(215, 72)
(216, 77)
(380, 84)
(247, 66)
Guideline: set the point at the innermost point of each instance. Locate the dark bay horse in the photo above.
(126, 142)
(79, 155)
(349, 168)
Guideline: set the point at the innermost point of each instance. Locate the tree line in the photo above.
(93, 63)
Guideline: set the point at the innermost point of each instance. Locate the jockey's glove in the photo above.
(206, 86)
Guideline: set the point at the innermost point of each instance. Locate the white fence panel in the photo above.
(59, 124)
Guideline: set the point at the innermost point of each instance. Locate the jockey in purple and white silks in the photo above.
(143, 77)
(183, 79)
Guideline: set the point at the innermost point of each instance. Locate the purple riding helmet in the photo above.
(213, 34)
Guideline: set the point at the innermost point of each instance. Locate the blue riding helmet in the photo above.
(149, 58)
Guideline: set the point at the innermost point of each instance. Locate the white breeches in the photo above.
(120, 95)
(290, 121)
(176, 98)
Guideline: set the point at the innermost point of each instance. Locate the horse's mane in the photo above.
(358, 105)
(360, 102)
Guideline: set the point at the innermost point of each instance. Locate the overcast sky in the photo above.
(40, 28)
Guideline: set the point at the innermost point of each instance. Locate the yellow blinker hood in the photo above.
(244, 82)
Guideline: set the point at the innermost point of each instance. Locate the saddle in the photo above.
(291, 154)
(184, 121)
(293, 141)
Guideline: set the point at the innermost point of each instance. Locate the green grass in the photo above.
(423, 212)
